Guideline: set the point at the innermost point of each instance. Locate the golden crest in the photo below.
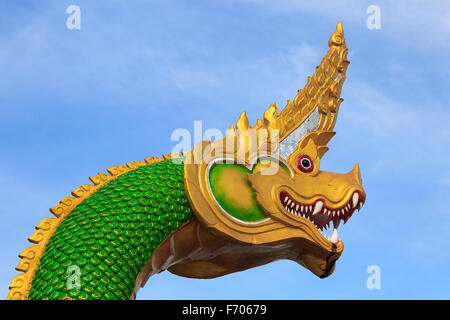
(306, 122)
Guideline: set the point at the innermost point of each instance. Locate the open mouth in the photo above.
(321, 216)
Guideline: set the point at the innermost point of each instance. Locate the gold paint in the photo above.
(309, 149)
(242, 123)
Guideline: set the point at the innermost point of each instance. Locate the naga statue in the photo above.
(255, 196)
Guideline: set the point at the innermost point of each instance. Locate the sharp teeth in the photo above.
(289, 201)
(285, 199)
(360, 206)
(355, 199)
(334, 237)
(318, 207)
(296, 208)
(301, 208)
(310, 208)
(292, 205)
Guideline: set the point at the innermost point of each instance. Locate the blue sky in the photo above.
(75, 102)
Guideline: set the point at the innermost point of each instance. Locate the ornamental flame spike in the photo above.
(315, 107)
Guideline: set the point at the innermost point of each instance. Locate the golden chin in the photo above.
(216, 256)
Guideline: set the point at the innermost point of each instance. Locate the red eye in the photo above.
(305, 164)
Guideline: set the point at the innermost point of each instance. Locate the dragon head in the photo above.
(259, 195)
(300, 194)
(305, 198)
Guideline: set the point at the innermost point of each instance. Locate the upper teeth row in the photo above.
(293, 208)
(347, 208)
(337, 212)
(289, 204)
(298, 208)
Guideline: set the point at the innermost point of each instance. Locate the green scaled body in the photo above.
(107, 239)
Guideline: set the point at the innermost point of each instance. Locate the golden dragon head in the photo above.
(261, 188)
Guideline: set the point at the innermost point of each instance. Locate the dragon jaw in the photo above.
(320, 215)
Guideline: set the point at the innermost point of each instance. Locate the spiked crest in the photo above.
(312, 113)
